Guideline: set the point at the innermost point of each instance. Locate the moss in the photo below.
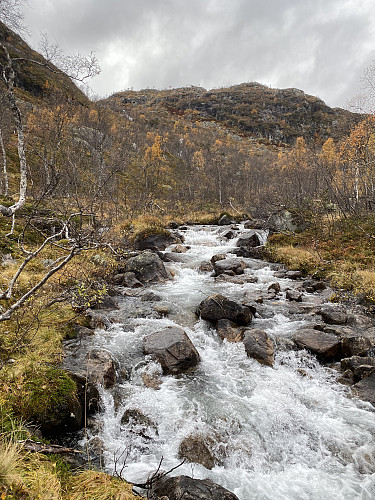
(42, 394)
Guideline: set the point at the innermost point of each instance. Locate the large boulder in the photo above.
(237, 266)
(197, 449)
(218, 307)
(173, 349)
(355, 361)
(187, 488)
(324, 345)
(101, 367)
(155, 241)
(259, 346)
(229, 331)
(147, 267)
(249, 240)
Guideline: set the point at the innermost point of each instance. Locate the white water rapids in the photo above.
(287, 432)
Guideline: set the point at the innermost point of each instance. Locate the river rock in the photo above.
(293, 275)
(250, 252)
(218, 307)
(179, 249)
(229, 235)
(173, 349)
(354, 361)
(101, 367)
(226, 220)
(150, 297)
(187, 488)
(229, 330)
(363, 371)
(355, 345)
(365, 389)
(127, 279)
(218, 256)
(205, 267)
(325, 345)
(333, 314)
(147, 267)
(238, 266)
(155, 242)
(254, 224)
(140, 424)
(197, 449)
(274, 287)
(293, 295)
(249, 240)
(259, 346)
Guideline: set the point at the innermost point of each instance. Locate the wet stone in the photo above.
(187, 488)
(229, 331)
(173, 349)
(218, 307)
(259, 346)
(197, 449)
(293, 295)
(324, 345)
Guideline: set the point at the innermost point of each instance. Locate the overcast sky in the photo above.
(319, 46)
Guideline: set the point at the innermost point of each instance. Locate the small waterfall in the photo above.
(287, 432)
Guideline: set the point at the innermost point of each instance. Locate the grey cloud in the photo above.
(320, 46)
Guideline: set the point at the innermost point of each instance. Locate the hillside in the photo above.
(251, 109)
(36, 80)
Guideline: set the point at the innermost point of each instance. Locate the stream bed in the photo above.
(290, 431)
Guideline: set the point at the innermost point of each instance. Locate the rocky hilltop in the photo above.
(250, 109)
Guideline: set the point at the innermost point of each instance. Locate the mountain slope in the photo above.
(251, 109)
(34, 80)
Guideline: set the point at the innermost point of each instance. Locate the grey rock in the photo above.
(154, 241)
(205, 267)
(173, 349)
(187, 488)
(238, 266)
(127, 279)
(147, 267)
(226, 220)
(218, 307)
(139, 423)
(197, 449)
(333, 315)
(293, 275)
(249, 240)
(355, 346)
(354, 361)
(293, 295)
(275, 287)
(363, 371)
(259, 346)
(324, 345)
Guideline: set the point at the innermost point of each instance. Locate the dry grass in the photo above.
(93, 484)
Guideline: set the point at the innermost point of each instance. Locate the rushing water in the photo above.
(287, 432)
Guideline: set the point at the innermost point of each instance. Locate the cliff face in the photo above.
(34, 79)
(252, 109)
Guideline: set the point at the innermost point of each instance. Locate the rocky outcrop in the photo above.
(127, 279)
(173, 349)
(355, 345)
(147, 267)
(187, 488)
(236, 266)
(259, 346)
(226, 220)
(197, 449)
(218, 307)
(324, 345)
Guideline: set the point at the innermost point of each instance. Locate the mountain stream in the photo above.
(285, 432)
